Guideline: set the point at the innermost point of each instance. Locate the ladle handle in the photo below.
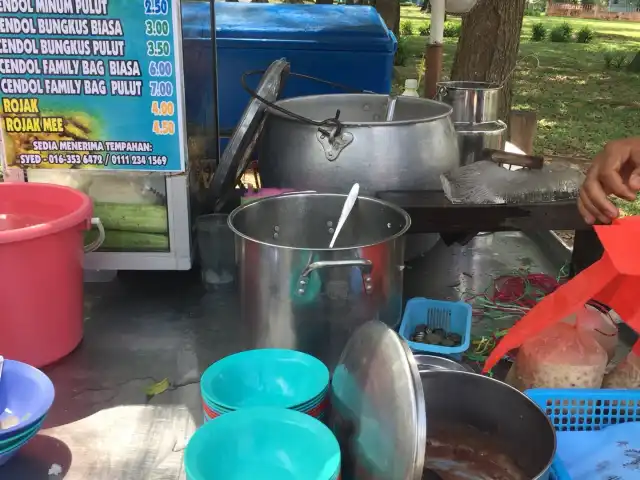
(527, 161)
(346, 210)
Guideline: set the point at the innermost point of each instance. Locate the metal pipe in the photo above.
(433, 69)
(437, 22)
(433, 57)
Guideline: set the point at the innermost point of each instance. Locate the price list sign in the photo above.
(92, 84)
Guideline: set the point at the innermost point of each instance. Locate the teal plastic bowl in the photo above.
(262, 444)
(218, 408)
(7, 444)
(312, 403)
(264, 378)
(301, 408)
(7, 452)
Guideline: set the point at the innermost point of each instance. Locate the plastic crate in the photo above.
(453, 317)
(585, 409)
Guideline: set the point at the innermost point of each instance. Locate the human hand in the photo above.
(615, 170)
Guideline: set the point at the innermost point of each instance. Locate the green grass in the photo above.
(580, 104)
(626, 207)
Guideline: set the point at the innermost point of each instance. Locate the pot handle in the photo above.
(441, 93)
(97, 243)
(526, 161)
(333, 138)
(366, 266)
(330, 131)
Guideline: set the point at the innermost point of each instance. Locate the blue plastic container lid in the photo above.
(270, 26)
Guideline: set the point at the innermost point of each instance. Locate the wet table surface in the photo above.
(140, 329)
(147, 326)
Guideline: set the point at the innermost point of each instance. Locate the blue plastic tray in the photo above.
(454, 317)
(585, 409)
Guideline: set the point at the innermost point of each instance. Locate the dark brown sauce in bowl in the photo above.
(464, 453)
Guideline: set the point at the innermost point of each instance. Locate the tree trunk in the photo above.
(389, 10)
(323, 2)
(396, 26)
(488, 46)
(634, 66)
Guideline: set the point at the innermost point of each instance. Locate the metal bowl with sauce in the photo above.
(390, 405)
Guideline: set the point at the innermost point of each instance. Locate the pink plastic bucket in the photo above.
(41, 283)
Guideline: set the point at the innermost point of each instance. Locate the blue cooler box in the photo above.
(349, 45)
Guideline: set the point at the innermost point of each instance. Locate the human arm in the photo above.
(614, 171)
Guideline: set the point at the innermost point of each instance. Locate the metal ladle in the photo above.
(346, 210)
(391, 108)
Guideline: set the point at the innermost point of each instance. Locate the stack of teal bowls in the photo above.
(263, 443)
(26, 395)
(278, 378)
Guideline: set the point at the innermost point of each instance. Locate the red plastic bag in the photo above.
(562, 356)
(614, 280)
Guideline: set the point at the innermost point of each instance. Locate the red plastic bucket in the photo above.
(41, 279)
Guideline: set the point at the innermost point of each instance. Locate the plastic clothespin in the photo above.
(613, 280)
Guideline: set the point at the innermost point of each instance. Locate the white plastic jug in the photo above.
(411, 88)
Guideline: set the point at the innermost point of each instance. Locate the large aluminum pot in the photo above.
(408, 152)
(472, 102)
(296, 292)
(460, 399)
(474, 138)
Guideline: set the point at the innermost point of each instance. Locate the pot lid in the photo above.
(378, 408)
(237, 155)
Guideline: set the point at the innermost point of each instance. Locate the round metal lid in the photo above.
(237, 155)
(378, 408)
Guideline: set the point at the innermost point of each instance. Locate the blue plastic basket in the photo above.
(453, 317)
(584, 409)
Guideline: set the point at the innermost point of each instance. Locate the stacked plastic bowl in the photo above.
(26, 395)
(266, 378)
(263, 443)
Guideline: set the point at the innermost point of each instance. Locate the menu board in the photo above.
(92, 84)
